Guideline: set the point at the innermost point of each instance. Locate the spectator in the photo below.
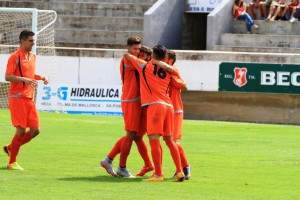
(287, 12)
(295, 14)
(239, 13)
(276, 10)
(258, 9)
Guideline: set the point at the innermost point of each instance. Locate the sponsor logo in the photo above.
(259, 77)
(280, 78)
(62, 93)
(240, 76)
(95, 92)
(205, 6)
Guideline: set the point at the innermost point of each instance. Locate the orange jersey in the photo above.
(154, 83)
(130, 80)
(175, 92)
(16, 62)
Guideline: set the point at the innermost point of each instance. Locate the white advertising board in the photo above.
(202, 6)
(80, 99)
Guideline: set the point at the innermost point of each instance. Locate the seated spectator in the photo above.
(276, 10)
(257, 9)
(268, 5)
(287, 12)
(295, 14)
(239, 13)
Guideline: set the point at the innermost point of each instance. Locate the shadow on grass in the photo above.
(3, 168)
(101, 179)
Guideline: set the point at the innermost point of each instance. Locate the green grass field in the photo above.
(229, 161)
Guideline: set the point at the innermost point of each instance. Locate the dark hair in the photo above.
(146, 50)
(172, 55)
(159, 52)
(133, 40)
(25, 34)
(236, 2)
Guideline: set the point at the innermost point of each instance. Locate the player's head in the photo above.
(159, 52)
(145, 53)
(171, 57)
(26, 40)
(134, 45)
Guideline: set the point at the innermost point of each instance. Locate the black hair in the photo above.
(25, 34)
(159, 52)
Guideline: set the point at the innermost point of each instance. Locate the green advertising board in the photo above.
(259, 77)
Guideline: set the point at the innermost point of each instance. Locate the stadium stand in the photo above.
(272, 37)
(278, 36)
(92, 23)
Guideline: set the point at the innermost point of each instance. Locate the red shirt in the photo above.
(27, 65)
(238, 11)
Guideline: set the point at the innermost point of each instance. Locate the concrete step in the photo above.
(256, 40)
(88, 45)
(80, 36)
(89, 1)
(100, 23)
(92, 23)
(84, 9)
(256, 49)
(100, 1)
(269, 28)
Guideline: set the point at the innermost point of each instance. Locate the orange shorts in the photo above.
(177, 134)
(23, 113)
(160, 120)
(143, 122)
(131, 115)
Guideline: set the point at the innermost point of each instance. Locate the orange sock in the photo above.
(125, 150)
(161, 150)
(26, 138)
(156, 156)
(15, 147)
(142, 148)
(175, 154)
(184, 162)
(116, 149)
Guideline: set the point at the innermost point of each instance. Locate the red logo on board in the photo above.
(240, 78)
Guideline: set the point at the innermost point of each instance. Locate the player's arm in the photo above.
(128, 56)
(18, 79)
(179, 83)
(42, 78)
(136, 62)
(165, 66)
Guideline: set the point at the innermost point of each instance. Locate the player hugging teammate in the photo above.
(154, 96)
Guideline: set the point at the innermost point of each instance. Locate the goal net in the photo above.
(41, 22)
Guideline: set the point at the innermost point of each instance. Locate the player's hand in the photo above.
(127, 55)
(31, 82)
(45, 80)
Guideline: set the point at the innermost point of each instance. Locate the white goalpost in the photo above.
(41, 22)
